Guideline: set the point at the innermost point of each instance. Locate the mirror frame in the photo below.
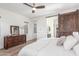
(12, 30)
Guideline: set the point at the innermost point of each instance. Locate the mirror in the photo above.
(14, 30)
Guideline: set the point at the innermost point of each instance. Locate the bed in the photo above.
(45, 47)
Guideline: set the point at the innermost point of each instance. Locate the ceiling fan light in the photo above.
(33, 11)
(33, 8)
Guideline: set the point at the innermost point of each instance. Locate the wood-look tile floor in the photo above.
(14, 50)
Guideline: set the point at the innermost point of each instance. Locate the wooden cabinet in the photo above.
(68, 23)
(10, 41)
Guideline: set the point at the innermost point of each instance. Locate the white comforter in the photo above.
(45, 47)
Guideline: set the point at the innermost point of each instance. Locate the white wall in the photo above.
(41, 27)
(31, 34)
(10, 18)
(31, 27)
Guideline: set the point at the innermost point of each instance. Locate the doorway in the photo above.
(52, 25)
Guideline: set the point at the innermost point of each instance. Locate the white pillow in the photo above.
(76, 49)
(69, 42)
(76, 35)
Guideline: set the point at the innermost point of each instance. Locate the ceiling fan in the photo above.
(34, 7)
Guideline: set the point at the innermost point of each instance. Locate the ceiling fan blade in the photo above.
(28, 5)
(40, 7)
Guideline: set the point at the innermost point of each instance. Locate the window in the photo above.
(35, 28)
(26, 28)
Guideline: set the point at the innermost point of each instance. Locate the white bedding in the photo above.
(45, 47)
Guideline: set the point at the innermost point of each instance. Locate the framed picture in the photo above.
(14, 30)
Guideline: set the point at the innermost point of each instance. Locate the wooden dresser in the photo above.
(10, 41)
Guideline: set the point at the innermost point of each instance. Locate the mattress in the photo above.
(45, 47)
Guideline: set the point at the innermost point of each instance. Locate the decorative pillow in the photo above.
(75, 33)
(61, 40)
(69, 42)
(76, 49)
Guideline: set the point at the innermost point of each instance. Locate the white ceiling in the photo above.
(50, 8)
